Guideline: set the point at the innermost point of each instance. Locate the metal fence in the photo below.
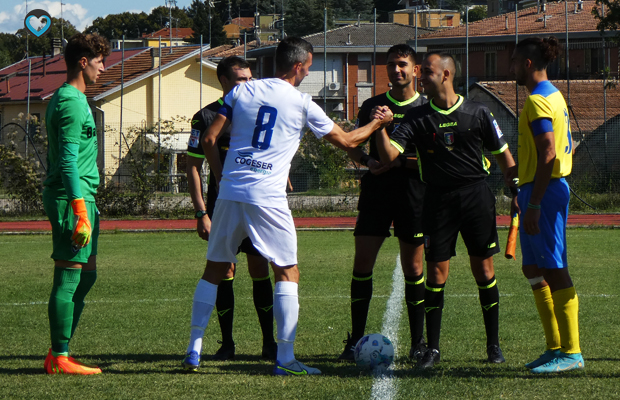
(319, 168)
(140, 156)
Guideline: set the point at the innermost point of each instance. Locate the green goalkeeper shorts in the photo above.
(62, 220)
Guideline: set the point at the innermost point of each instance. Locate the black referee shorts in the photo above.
(386, 200)
(469, 210)
(246, 245)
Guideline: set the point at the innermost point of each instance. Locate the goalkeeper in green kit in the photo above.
(68, 198)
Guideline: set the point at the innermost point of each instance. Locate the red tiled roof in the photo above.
(238, 51)
(244, 22)
(14, 78)
(137, 63)
(529, 22)
(177, 33)
(586, 98)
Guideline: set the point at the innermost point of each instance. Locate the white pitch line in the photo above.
(44, 303)
(385, 386)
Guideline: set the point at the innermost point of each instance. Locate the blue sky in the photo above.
(80, 13)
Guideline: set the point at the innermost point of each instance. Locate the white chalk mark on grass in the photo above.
(385, 386)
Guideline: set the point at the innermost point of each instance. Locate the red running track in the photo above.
(583, 220)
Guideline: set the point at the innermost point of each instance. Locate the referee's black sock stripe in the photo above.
(225, 304)
(361, 294)
(414, 298)
(262, 292)
(489, 302)
(362, 276)
(433, 305)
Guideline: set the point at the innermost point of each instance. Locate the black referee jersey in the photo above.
(200, 123)
(399, 109)
(449, 142)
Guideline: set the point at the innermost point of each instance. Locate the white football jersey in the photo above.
(268, 118)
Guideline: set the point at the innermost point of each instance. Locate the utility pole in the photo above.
(211, 5)
(62, 24)
(169, 3)
(282, 18)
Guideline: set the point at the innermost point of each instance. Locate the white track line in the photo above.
(385, 386)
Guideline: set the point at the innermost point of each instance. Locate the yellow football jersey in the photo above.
(546, 101)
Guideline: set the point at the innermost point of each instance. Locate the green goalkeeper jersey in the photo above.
(72, 146)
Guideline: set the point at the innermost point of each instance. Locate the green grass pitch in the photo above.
(136, 325)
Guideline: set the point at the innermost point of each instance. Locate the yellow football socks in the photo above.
(566, 305)
(544, 304)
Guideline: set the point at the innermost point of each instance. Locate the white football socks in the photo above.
(286, 313)
(204, 302)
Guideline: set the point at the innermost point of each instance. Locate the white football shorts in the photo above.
(271, 230)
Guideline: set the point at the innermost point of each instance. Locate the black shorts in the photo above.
(395, 198)
(246, 245)
(469, 210)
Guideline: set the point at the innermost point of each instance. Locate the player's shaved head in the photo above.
(446, 61)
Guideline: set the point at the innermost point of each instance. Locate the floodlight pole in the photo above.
(62, 32)
(467, 53)
(374, 56)
(201, 72)
(159, 111)
(516, 43)
(325, 57)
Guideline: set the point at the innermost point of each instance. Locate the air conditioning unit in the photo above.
(334, 86)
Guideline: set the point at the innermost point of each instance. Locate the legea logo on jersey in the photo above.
(247, 158)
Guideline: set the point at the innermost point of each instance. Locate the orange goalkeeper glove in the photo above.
(82, 229)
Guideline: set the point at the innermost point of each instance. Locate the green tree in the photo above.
(114, 26)
(159, 16)
(304, 17)
(11, 48)
(15, 45)
(384, 7)
(198, 11)
(610, 20)
(347, 9)
(477, 13)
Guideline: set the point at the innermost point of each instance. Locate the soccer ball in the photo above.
(374, 351)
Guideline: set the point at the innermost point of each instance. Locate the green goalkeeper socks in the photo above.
(60, 308)
(87, 280)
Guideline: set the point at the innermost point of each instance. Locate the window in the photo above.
(594, 61)
(363, 71)
(490, 65)
(449, 20)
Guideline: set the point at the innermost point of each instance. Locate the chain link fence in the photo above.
(143, 168)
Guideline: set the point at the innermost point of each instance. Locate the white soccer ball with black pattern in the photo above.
(374, 351)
